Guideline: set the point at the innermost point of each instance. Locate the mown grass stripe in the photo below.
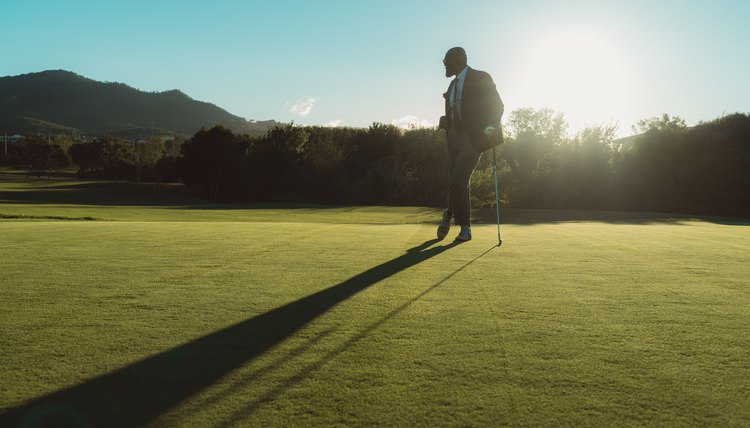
(45, 217)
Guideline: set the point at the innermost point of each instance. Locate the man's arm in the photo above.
(484, 112)
(444, 123)
(495, 109)
(493, 104)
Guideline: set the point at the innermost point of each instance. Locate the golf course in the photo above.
(128, 304)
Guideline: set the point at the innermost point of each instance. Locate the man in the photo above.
(473, 110)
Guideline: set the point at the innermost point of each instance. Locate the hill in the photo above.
(62, 101)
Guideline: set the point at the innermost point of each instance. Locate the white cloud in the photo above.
(412, 122)
(303, 108)
(334, 123)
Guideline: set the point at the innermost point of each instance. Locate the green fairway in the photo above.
(169, 311)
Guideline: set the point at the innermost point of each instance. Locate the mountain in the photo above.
(60, 101)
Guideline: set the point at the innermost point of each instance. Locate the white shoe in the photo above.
(464, 235)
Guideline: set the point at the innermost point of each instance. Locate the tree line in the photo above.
(668, 167)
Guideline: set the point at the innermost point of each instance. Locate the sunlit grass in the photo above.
(570, 323)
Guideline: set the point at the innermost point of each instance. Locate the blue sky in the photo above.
(358, 62)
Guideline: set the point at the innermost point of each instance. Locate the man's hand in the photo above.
(494, 135)
(443, 123)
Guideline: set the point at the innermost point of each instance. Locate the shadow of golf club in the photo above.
(249, 409)
(139, 393)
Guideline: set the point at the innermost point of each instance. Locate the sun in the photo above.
(583, 74)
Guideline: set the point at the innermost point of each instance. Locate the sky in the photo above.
(356, 62)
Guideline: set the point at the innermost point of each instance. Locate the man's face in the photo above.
(451, 68)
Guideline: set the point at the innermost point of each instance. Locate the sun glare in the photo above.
(580, 74)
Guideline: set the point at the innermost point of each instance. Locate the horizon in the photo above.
(337, 64)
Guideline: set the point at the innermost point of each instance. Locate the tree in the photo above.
(87, 157)
(669, 168)
(660, 123)
(717, 166)
(582, 175)
(210, 163)
(37, 153)
(425, 158)
(147, 153)
(529, 151)
(324, 164)
(64, 141)
(105, 157)
(59, 158)
(273, 164)
(699, 170)
(167, 170)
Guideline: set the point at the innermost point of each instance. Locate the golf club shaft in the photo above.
(497, 195)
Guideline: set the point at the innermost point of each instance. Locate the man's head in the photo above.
(454, 61)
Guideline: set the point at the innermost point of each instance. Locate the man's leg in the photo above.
(452, 149)
(452, 156)
(465, 162)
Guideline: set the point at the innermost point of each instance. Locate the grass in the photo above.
(186, 313)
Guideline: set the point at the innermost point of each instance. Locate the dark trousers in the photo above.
(463, 159)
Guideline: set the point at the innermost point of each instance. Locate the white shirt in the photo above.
(459, 88)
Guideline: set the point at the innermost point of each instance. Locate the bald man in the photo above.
(473, 110)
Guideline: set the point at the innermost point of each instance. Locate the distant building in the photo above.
(13, 138)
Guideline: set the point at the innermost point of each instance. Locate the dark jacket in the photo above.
(481, 106)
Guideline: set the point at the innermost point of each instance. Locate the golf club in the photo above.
(492, 131)
(497, 196)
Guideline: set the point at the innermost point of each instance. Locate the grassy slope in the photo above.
(568, 323)
(40, 198)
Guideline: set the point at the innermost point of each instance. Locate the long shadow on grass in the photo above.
(245, 413)
(139, 393)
